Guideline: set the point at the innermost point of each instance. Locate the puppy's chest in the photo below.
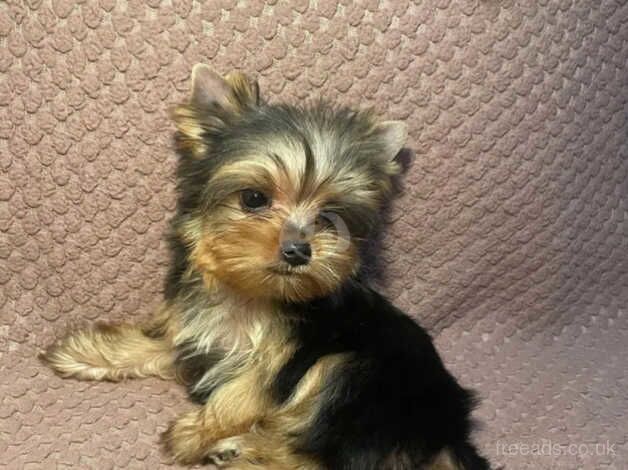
(221, 341)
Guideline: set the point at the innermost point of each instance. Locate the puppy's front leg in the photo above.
(231, 410)
(242, 427)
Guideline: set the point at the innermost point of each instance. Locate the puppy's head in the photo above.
(275, 199)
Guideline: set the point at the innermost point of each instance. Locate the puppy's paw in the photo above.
(188, 441)
(225, 452)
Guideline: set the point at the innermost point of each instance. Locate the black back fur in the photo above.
(395, 397)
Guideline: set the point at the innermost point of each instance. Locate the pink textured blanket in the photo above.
(510, 241)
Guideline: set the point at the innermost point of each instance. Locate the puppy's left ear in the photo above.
(213, 101)
(235, 92)
(393, 136)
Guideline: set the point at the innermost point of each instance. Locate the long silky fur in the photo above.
(296, 367)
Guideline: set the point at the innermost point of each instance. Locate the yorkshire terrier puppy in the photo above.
(295, 361)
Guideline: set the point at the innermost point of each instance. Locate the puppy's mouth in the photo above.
(285, 269)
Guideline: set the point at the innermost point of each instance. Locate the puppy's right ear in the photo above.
(213, 100)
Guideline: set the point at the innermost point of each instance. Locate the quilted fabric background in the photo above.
(510, 240)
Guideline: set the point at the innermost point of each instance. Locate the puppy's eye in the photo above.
(252, 200)
(326, 218)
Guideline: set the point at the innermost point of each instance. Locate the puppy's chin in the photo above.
(278, 281)
(281, 283)
(302, 285)
(255, 272)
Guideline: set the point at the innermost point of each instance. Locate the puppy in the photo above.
(296, 363)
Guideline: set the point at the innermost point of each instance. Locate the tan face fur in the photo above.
(324, 174)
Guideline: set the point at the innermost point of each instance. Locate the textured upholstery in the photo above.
(510, 241)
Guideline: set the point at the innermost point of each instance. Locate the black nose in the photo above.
(296, 253)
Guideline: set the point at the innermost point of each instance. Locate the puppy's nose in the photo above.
(296, 253)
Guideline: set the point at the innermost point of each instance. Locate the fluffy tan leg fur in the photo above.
(112, 352)
(240, 427)
(232, 409)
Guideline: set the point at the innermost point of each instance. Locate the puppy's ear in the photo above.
(212, 103)
(393, 136)
(235, 92)
(208, 88)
